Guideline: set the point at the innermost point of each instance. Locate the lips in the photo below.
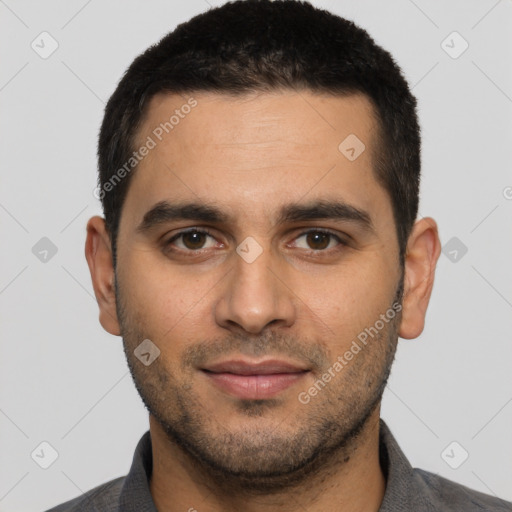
(268, 367)
(254, 380)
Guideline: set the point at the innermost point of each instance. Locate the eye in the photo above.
(192, 240)
(195, 240)
(318, 240)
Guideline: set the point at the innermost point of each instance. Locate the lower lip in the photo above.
(254, 387)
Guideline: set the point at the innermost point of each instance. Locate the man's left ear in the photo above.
(423, 250)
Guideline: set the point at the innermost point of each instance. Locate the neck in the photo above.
(352, 480)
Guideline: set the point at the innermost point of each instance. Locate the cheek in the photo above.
(168, 303)
(348, 301)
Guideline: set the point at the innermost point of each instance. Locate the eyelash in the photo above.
(204, 231)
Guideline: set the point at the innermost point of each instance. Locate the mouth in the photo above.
(254, 380)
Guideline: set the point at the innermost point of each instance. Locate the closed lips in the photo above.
(263, 368)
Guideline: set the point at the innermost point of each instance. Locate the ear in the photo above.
(423, 250)
(98, 253)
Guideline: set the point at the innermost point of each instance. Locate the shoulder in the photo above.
(104, 498)
(447, 495)
(409, 488)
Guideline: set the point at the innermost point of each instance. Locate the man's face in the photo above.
(251, 307)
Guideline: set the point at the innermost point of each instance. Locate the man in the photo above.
(260, 255)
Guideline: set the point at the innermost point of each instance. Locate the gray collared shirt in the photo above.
(407, 489)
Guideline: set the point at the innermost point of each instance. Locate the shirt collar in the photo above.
(398, 472)
(135, 494)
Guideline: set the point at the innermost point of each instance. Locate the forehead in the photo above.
(257, 150)
(299, 120)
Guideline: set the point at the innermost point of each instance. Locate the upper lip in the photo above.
(267, 367)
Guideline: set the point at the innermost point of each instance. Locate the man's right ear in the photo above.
(98, 252)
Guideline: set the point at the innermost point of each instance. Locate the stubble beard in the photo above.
(324, 435)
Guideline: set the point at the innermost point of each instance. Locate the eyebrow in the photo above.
(165, 211)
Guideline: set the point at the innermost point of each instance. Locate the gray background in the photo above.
(64, 380)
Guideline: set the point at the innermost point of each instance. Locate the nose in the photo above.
(255, 296)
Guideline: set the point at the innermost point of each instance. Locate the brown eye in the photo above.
(193, 239)
(318, 240)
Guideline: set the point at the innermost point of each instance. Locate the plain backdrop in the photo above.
(65, 382)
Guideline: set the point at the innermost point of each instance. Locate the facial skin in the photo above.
(303, 300)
